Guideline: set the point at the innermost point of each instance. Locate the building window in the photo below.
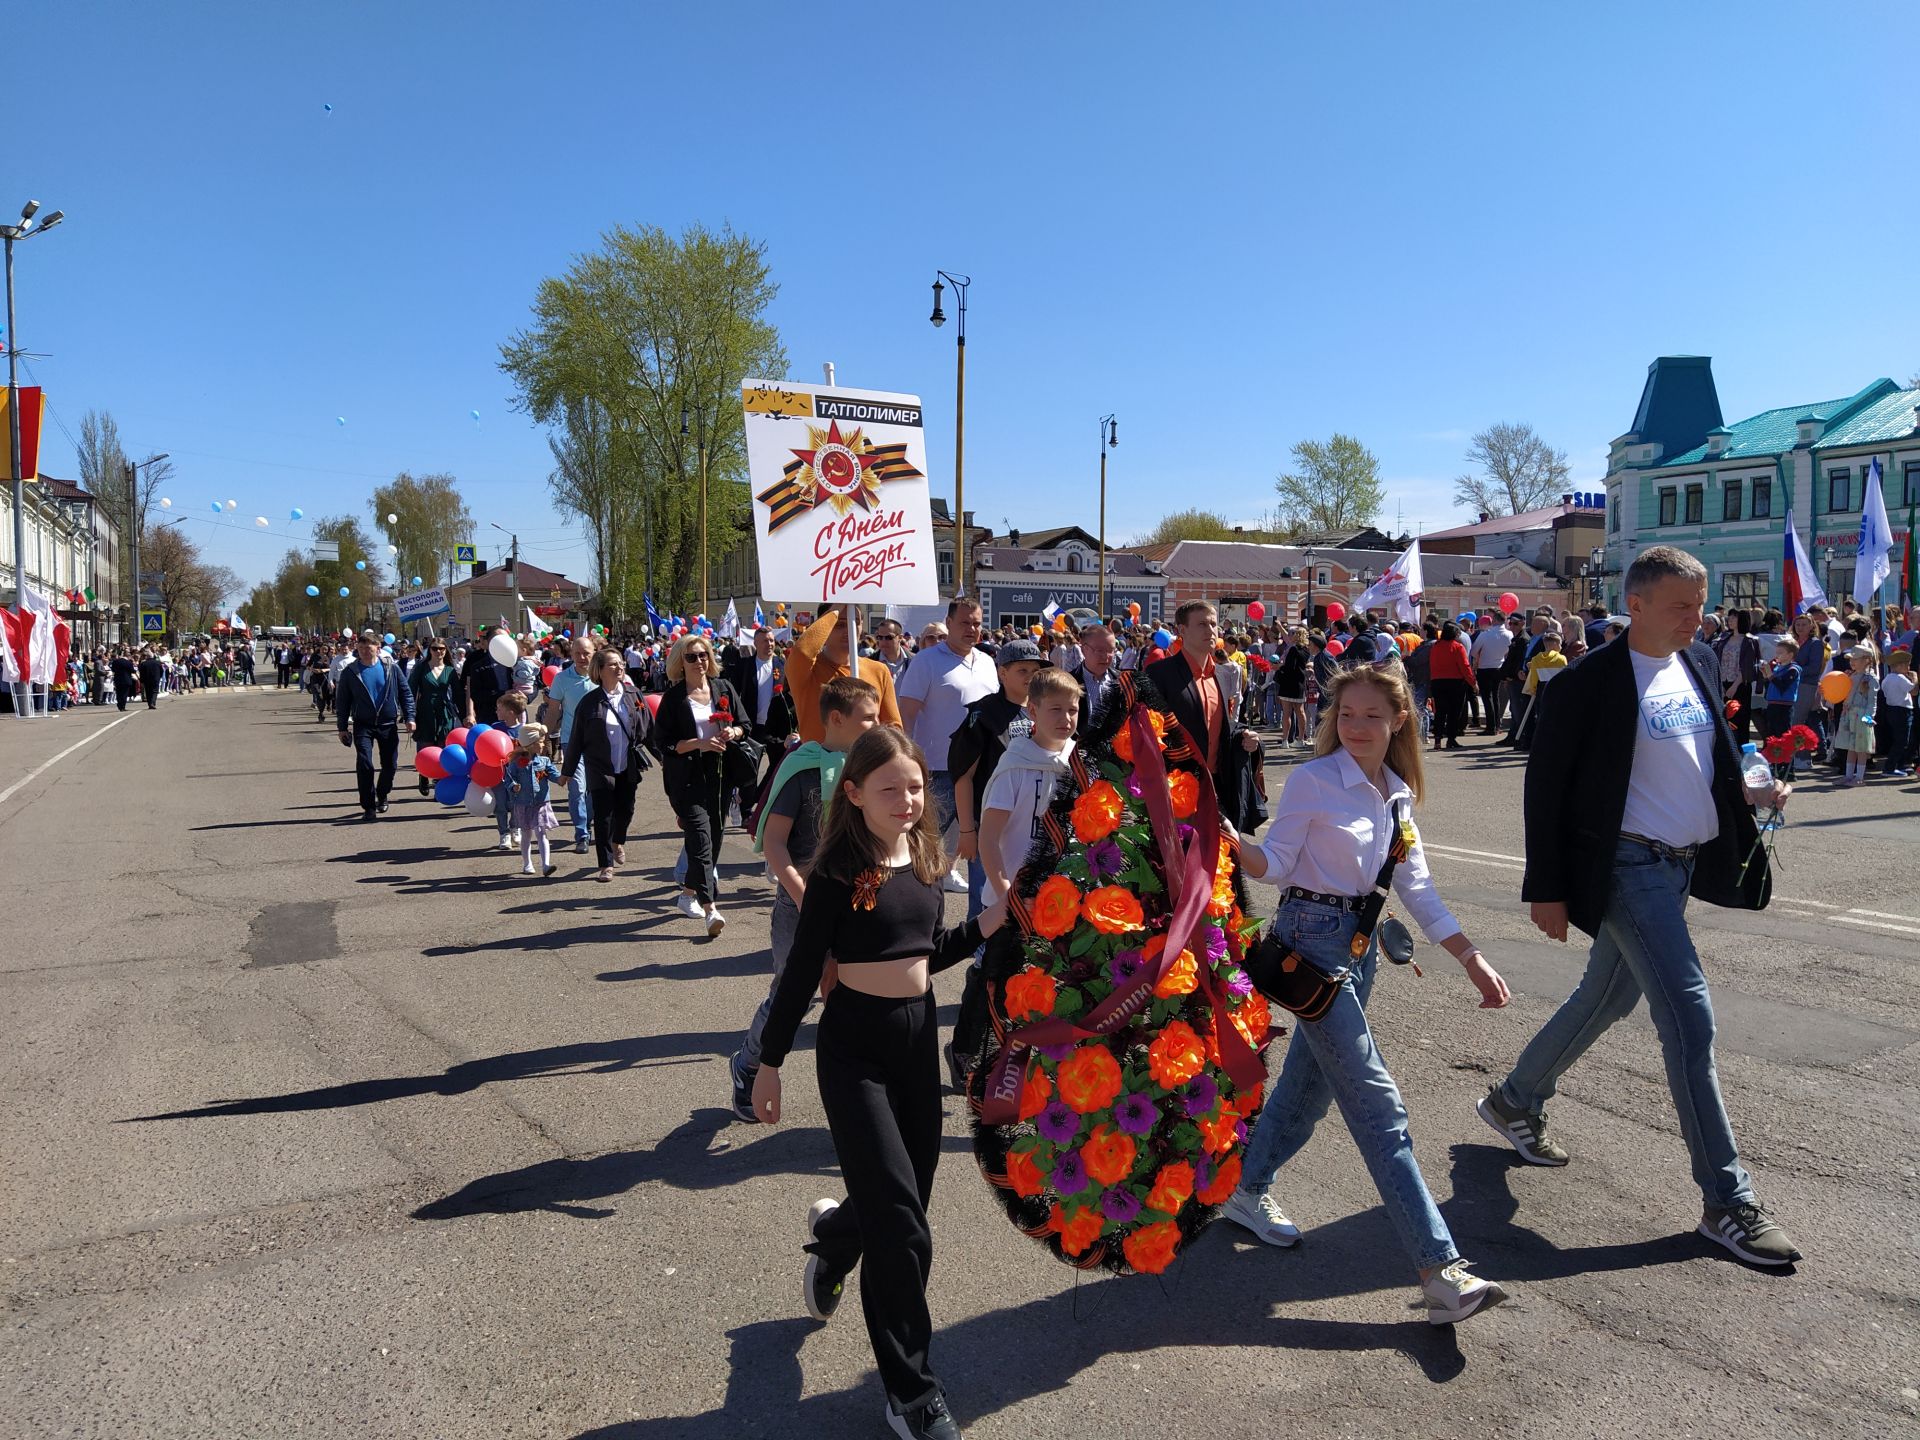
(1022, 623)
(1613, 515)
(1667, 511)
(1839, 581)
(946, 569)
(1744, 590)
(1696, 504)
(1837, 488)
(1730, 500)
(1762, 506)
(1912, 484)
(1326, 577)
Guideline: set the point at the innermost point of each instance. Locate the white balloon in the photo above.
(479, 802)
(393, 549)
(393, 519)
(233, 504)
(261, 521)
(502, 648)
(165, 504)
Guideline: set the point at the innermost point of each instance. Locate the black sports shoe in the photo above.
(1525, 1130)
(931, 1421)
(957, 1069)
(743, 1077)
(381, 806)
(823, 1284)
(1749, 1232)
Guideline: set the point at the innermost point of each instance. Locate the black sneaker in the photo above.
(1525, 1130)
(823, 1284)
(931, 1421)
(381, 806)
(957, 1069)
(743, 1077)
(1749, 1232)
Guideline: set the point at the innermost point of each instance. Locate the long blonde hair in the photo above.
(1404, 755)
(847, 845)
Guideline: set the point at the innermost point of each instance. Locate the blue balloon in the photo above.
(474, 732)
(359, 564)
(218, 507)
(339, 419)
(312, 590)
(416, 579)
(344, 592)
(297, 513)
(474, 413)
(450, 791)
(389, 637)
(456, 761)
(1467, 617)
(1162, 638)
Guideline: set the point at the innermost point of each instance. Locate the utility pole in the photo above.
(133, 539)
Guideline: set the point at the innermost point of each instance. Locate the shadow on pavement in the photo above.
(600, 1057)
(611, 933)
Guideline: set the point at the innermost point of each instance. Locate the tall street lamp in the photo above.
(1109, 438)
(939, 318)
(1307, 554)
(700, 439)
(23, 230)
(136, 514)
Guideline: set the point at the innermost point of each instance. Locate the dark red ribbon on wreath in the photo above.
(1189, 869)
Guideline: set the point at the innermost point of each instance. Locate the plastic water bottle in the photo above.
(1757, 775)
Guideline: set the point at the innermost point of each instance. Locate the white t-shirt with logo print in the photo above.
(1670, 795)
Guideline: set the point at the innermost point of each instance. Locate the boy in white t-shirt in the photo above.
(1022, 786)
(1896, 713)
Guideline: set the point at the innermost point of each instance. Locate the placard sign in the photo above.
(422, 604)
(840, 502)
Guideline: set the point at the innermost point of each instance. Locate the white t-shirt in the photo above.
(1489, 650)
(703, 720)
(1897, 690)
(1670, 797)
(945, 684)
(1024, 792)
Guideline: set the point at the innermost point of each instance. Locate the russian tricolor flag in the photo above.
(1796, 573)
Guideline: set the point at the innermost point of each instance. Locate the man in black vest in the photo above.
(1227, 750)
(1634, 801)
(1095, 672)
(373, 699)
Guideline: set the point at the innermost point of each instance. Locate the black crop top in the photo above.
(904, 922)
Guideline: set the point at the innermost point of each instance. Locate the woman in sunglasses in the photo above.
(439, 699)
(696, 722)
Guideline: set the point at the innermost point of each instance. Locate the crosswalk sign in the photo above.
(153, 622)
(464, 555)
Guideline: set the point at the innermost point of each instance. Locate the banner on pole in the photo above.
(422, 604)
(841, 508)
(33, 406)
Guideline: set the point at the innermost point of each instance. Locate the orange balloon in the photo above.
(1835, 686)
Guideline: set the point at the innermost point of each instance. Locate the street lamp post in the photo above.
(939, 318)
(700, 441)
(1109, 438)
(22, 230)
(135, 515)
(1307, 554)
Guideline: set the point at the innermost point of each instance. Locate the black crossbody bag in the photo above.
(1294, 983)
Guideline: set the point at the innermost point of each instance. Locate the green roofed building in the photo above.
(1683, 476)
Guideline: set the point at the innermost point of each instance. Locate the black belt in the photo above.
(1338, 902)
(1660, 847)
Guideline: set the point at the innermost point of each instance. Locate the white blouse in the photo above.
(1331, 831)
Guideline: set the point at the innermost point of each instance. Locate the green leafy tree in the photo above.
(430, 519)
(1188, 525)
(1519, 471)
(1335, 486)
(636, 356)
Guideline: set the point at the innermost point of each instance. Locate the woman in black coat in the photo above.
(699, 716)
(612, 733)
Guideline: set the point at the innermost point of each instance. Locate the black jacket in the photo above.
(122, 668)
(1079, 672)
(1236, 778)
(1576, 790)
(674, 723)
(353, 703)
(741, 671)
(587, 742)
(484, 683)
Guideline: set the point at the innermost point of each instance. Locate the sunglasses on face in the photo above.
(700, 655)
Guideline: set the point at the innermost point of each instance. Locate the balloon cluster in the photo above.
(467, 767)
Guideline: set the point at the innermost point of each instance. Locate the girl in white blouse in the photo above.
(1325, 849)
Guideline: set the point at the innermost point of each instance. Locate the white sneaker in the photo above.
(954, 882)
(1262, 1215)
(1453, 1295)
(715, 923)
(507, 842)
(690, 907)
(516, 838)
(527, 870)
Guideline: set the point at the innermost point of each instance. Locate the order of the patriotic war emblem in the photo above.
(844, 472)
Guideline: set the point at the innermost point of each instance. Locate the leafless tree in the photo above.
(1519, 471)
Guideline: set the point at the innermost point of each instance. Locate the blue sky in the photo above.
(1270, 223)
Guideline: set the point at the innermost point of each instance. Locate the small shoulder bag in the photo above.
(1294, 983)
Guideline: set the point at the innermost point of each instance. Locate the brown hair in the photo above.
(847, 847)
(514, 701)
(841, 694)
(1403, 746)
(600, 661)
(1050, 682)
(1190, 608)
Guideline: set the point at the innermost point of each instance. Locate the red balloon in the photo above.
(486, 773)
(1334, 647)
(1336, 611)
(1509, 603)
(427, 762)
(456, 737)
(1256, 610)
(549, 675)
(493, 748)
(652, 702)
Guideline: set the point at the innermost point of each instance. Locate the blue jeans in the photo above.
(1420, 712)
(1643, 948)
(781, 926)
(940, 784)
(1334, 1058)
(579, 806)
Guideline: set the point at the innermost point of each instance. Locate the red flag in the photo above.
(33, 404)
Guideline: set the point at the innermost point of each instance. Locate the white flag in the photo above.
(1876, 541)
(730, 622)
(40, 649)
(535, 625)
(1400, 588)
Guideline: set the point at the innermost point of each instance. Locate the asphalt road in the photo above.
(321, 1128)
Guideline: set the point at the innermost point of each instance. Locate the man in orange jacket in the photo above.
(820, 654)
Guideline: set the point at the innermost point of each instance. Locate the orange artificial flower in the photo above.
(1113, 910)
(1150, 1249)
(1226, 1179)
(1056, 908)
(1024, 1175)
(1218, 1130)
(1185, 793)
(1109, 1155)
(1253, 1019)
(1035, 1094)
(1172, 1188)
(1221, 903)
(1096, 814)
(1031, 992)
(1123, 741)
(1078, 1230)
(1182, 977)
(1089, 1079)
(1175, 1056)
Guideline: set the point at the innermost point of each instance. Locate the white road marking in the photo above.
(45, 765)
(1484, 854)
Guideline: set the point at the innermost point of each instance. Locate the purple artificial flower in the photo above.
(1203, 1174)
(1240, 1131)
(1069, 1173)
(1104, 859)
(1202, 1095)
(1216, 945)
(1119, 1205)
(1185, 833)
(1133, 787)
(1135, 1114)
(1058, 1123)
(1239, 984)
(1124, 966)
(1056, 1053)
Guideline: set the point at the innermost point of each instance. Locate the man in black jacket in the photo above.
(1634, 801)
(1229, 752)
(766, 709)
(122, 668)
(374, 702)
(153, 674)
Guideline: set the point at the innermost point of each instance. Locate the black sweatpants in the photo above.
(878, 1063)
(613, 813)
(1490, 694)
(701, 809)
(1449, 708)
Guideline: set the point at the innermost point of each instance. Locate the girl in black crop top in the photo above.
(873, 897)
